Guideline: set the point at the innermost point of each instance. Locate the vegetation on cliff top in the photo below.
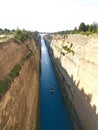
(83, 29)
(19, 35)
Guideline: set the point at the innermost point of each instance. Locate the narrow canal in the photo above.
(53, 112)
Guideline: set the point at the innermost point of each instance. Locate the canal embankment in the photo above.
(19, 84)
(75, 61)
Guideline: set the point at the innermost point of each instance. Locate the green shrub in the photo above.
(72, 52)
(68, 49)
(21, 35)
(63, 53)
(2, 87)
(71, 45)
(4, 84)
(7, 82)
(15, 71)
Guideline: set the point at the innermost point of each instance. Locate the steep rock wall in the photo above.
(19, 105)
(77, 74)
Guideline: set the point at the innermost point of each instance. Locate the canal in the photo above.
(53, 112)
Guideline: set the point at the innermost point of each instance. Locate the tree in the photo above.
(75, 30)
(88, 27)
(94, 27)
(91, 28)
(21, 35)
(82, 27)
(6, 31)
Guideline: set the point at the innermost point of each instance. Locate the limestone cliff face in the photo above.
(19, 104)
(78, 76)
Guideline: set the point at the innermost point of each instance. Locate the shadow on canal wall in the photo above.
(83, 115)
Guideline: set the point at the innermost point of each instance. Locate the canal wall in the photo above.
(19, 102)
(75, 61)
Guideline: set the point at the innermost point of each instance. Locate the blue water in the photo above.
(53, 112)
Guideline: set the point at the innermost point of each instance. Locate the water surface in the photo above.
(53, 112)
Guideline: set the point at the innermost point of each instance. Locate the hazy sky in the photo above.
(47, 15)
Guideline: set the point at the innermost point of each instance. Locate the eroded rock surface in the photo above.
(19, 105)
(78, 76)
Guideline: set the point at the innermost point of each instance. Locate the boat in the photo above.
(51, 90)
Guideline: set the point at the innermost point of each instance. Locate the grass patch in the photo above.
(4, 85)
(15, 71)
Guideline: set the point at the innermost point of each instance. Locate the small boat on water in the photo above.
(51, 90)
